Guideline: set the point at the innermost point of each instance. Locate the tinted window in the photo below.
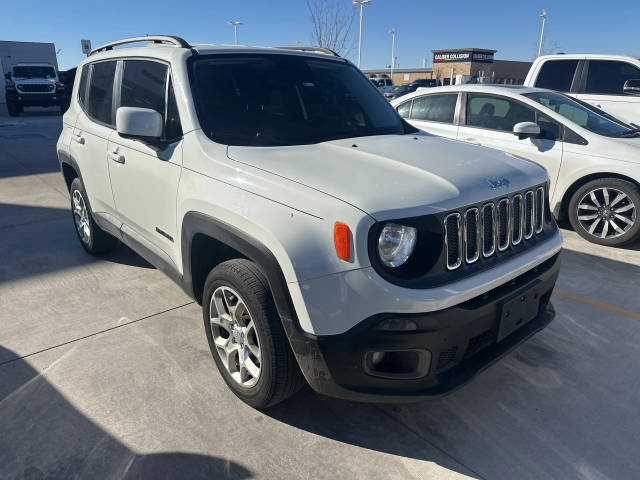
(435, 108)
(404, 109)
(82, 88)
(143, 85)
(268, 100)
(609, 77)
(582, 114)
(101, 91)
(549, 129)
(557, 75)
(496, 113)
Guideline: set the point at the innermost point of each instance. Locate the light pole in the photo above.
(543, 15)
(362, 3)
(235, 30)
(393, 50)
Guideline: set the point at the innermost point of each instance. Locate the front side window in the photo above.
(557, 75)
(144, 85)
(404, 109)
(582, 114)
(274, 100)
(496, 113)
(435, 108)
(101, 91)
(607, 77)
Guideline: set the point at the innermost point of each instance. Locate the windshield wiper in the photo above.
(630, 133)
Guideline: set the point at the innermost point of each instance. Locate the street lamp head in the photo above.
(362, 2)
(544, 14)
(235, 23)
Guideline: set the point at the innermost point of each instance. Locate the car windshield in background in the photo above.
(587, 116)
(33, 72)
(402, 89)
(274, 100)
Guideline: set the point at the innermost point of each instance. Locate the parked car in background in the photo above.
(33, 85)
(426, 82)
(609, 82)
(326, 238)
(593, 158)
(383, 84)
(400, 90)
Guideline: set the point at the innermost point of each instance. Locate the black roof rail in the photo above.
(303, 48)
(168, 39)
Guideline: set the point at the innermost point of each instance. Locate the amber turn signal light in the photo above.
(342, 241)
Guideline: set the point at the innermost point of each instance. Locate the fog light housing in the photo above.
(397, 325)
(398, 364)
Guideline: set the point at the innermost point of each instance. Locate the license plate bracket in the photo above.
(518, 310)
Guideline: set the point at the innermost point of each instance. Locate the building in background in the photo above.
(466, 65)
(12, 53)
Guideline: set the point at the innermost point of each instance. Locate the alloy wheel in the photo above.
(606, 212)
(81, 216)
(235, 336)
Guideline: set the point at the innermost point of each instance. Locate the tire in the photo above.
(238, 283)
(609, 217)
(92, 238)
(14, 109)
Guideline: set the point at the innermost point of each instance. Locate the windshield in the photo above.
(34, 71)
(273, 100)
(583, 114)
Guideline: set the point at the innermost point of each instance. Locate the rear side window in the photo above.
(607, 77)
(101, 91)
(435, 108)
(82, 88)
(144, 85)
(557, 75)
(404, 109)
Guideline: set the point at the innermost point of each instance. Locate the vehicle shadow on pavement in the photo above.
(40, 240)
(562, 405)
(43, 436)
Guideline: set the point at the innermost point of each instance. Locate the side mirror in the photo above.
(526, 130)
(142, 123)
(632, 86)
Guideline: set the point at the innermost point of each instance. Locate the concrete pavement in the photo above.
(105, 371)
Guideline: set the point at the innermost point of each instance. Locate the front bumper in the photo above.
(36, 99)
(461, 341)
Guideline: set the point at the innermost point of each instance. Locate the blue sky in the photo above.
(511, 27)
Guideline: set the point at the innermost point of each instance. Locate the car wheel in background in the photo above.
(605, 211)
(14, 109)
(93, 239)
(246, 337)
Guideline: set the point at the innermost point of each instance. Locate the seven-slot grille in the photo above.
(33, 87)
(493, 227)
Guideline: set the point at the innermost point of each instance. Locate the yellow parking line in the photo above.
(596, 303)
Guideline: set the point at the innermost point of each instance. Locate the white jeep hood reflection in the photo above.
(396, 176)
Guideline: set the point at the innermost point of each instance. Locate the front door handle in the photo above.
(116, 157)
(77, 137)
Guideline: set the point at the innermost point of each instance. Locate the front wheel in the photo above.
(246, 337)
(605, 211)
(13, 108)
(93, 239)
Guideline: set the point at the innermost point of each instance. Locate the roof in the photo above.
(495, 89)
(592, 56)
(399, 70)
(472, 49)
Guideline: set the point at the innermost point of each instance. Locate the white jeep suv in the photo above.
(326, 239)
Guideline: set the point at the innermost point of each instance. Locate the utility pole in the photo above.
(362, 3)
(543, 15)
(235, 30)
(393, 50)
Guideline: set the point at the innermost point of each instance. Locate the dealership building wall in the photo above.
(12, 53)
(472, 62)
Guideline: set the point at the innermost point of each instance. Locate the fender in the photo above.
(197, 223)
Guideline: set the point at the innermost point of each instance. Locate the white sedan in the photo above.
(593, 159)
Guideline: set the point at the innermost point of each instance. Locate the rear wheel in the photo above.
(605, 211)
(246, 337)
(93, 239)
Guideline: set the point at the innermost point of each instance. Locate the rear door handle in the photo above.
(78, 138)
(116, 157)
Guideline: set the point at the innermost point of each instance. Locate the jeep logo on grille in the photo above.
(498, 182)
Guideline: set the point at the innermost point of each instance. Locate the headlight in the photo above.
(396, 244)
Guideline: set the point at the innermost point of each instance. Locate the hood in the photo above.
(396, 176)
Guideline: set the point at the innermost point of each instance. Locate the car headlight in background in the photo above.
(396, 244)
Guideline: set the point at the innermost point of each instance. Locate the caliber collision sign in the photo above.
(445, 57)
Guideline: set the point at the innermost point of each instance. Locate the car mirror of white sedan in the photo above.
(526, 130)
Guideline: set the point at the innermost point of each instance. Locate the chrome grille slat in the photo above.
(453, 240)
(482, 231)
(471, 235)
(516, 219)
